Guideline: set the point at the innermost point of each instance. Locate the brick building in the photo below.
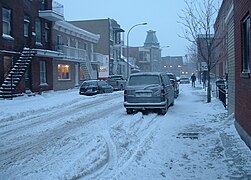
(27, 25)
(224, 50)
(110, 43)
(242, 33)
(39, 51)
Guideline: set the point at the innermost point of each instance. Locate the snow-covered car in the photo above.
(92, 87)
(184, 80)
(175, 84)
(149, 90)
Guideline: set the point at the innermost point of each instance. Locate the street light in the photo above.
(127, 48)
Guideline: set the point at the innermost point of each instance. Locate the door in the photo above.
(76, 74)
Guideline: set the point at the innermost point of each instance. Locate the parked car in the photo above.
(92, 87)
(148, 90)
(184, 80)
(175, 84)
(117, 82)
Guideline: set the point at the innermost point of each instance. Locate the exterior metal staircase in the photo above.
(86, 66)
(17, 71)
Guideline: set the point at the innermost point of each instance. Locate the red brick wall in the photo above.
(36, 77)
(243, 84)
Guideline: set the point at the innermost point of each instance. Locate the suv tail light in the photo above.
(162, 93)
(125, 95)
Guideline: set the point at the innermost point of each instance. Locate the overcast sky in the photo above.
(161, 16)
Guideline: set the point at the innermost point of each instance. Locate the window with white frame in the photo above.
(63, 72)
(246, 45)
(38, 31)
(6, 21)
(42, 69)
(26, 26)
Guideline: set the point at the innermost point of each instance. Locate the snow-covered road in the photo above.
(62, 135)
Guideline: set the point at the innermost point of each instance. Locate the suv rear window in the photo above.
(144, 80)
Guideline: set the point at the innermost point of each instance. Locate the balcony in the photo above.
(75, 54)
(54, 14)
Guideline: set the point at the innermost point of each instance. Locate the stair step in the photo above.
(19, 65)
(8, 96)
(25, 58)
(8, 85)
(8, 82)
(13, 79)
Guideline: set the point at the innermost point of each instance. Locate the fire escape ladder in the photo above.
(17, 71)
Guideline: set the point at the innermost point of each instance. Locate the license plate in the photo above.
(143, 94)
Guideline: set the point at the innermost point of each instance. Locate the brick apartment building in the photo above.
(224, 50)
(39, 51)
(242, 33)
(27, 24)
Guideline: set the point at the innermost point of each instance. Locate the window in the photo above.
(246, 45)
(59, 43)
(63, 72)
(68, 42)
(47, 33)
(85, 46)
(6, 20)
(38, 31)
(26, 26)
(43, 80)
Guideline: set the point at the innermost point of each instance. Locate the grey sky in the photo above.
(161, 16)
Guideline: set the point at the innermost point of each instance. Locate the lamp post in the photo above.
(127, 47)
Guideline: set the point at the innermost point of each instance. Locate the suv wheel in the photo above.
(163, 110)
(129, 111)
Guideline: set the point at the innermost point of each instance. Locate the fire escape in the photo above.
(16, 74)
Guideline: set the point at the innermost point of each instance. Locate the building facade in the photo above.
(39, 51)
(77, 62)
(25, 45)
(242, 40)
(152, 44)
(175, 65)
(224, 50)
(110, 43)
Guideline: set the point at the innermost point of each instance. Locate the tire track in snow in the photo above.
(49, 116)
(129, 139)
(22, 148)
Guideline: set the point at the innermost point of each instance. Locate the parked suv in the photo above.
(175, 84)
(117, 82)
(148, 91)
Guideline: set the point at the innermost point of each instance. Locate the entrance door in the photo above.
(76, 74)
(7, 65)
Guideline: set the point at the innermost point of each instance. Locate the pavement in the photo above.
(236, 154)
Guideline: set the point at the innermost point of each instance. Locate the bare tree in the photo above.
(198, 19)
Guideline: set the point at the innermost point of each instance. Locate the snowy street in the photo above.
(63, 135)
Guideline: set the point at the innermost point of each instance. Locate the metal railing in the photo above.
(57, 7)
(222, 91)
(72, 52)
